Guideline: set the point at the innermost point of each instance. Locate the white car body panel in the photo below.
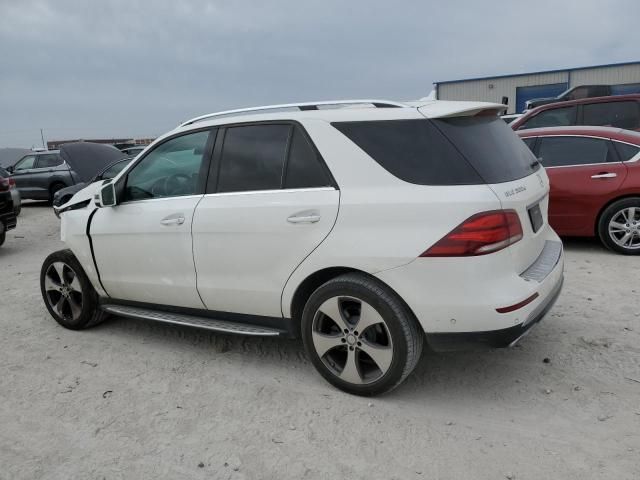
(245, 248)
(250, 260)
(143, 260)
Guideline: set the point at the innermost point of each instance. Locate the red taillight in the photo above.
(483, 233)
(5, 184)
(12, 183)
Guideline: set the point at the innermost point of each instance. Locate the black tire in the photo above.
(54, 188)
(76, 306)
(405, 335)
(615, 212)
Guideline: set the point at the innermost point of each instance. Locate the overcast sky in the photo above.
(82, 69)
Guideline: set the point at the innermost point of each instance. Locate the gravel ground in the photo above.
(137, 400)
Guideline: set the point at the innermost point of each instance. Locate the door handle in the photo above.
(605, 175)
(172, 220)
(309, 218)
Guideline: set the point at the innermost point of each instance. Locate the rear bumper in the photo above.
(506, 337)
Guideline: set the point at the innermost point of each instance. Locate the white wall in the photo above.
(493, 89)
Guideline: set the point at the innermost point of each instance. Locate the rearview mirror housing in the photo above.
(106, 196)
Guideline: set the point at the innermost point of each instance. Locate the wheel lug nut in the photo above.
(356, 333)
(344, 340)
(351, 348)
(359, 344)
(346, 330)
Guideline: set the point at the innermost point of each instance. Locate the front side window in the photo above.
(555, 117)
(115, 169)
(565, 151)
(253, 158)
(26, 163)
(171, 169)
(48, 161)
(613, 114)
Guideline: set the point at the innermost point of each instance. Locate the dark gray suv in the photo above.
(39, 175)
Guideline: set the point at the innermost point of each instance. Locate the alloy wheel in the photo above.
(352, 339)
(624, 228)
(63, 291)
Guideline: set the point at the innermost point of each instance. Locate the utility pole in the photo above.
(42, 136)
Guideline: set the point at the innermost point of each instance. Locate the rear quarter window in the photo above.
(454, 151)
(626, 151)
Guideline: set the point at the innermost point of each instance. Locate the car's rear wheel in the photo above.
(67, 292)
(619, 226)
(360, 335)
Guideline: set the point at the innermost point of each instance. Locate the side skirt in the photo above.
(223, 322)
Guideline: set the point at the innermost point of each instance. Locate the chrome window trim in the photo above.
(273, 190)
(146, 200)
(633, 159)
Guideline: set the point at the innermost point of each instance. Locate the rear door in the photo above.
(584, 172)
(270, 202)
(49, 170)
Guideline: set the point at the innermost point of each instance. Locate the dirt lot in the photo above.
(136, 400)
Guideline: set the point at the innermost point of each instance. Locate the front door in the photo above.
(582, 172)
(143, 245)
(270, 202)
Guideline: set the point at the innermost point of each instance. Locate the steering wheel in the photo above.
(173, 184)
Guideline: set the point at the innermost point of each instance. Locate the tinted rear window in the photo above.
(613, 114)
(454, 151)
(490, 146)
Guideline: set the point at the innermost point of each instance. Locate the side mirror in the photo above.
(106, 196)
(10, 169)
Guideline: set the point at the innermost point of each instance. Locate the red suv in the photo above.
(622, 111)
(595, 182)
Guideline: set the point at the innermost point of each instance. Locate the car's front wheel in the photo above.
(360, 335)
(619, 226)
(67, 292)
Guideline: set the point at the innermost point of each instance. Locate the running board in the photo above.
(223, 326)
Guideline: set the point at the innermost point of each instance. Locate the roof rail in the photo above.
(299, 106)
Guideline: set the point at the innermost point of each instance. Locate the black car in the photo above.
(8, 219)
(63, 196)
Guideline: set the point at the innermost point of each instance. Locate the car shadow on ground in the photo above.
(35, 203)
(435, 375)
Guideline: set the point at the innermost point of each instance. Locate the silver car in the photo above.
(39, 175)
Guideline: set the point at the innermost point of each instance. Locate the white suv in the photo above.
(364, 230)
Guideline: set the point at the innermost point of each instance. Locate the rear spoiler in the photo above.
(446, 109)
